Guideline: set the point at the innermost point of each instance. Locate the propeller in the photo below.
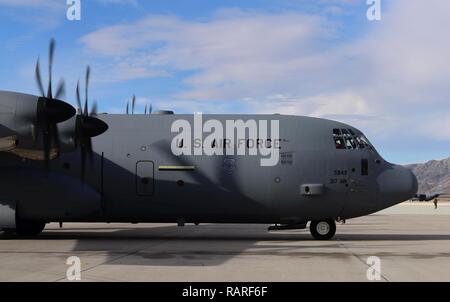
(87, 125)
(147, 108)
(133, 105)
(50, 110)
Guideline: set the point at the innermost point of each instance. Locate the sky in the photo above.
(321, 58)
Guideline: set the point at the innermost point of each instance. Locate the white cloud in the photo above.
(392, 80)
(437, 126)
(345, 103)
(235, 49)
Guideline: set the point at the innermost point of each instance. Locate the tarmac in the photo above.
(411, 241)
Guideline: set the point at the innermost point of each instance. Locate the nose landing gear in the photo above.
(323, 229)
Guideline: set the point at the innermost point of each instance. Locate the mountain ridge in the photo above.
(433, 176)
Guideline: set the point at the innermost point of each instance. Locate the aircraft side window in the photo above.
(339, 142)
(353, 142)
(338, 139)
(364, 141)
(360, 142)
(348, 139)
(348, 145)
(349, 142)
(353, 139)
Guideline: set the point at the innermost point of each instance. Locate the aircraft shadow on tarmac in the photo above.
(212, 245)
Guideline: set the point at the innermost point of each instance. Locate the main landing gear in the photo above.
(320, 229)
(323, 229)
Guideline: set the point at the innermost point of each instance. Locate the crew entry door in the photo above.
(145, 182)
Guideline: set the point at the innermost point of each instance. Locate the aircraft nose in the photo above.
(396, 184)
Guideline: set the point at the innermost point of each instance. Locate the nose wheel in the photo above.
(323, 229)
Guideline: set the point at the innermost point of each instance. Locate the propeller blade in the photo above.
(87, 126)
(88, 74)
(83, 161)
(145, 111)
(151, 109)
(39, 79)
(85, 110)
(89, 151)
(78, 130)
(61, 90)
(47, 145)
(128, 105)
(55, 136)
(80, 109)
(94, 108)
(133, 104)
(86, 153)
(51, 52)
(50, 111)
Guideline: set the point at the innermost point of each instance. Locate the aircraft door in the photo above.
(145, 178)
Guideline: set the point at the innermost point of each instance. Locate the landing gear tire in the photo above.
(323, 229)
(29, 228)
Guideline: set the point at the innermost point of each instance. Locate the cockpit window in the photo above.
(348, 139)
(364, 140)
(338, 139)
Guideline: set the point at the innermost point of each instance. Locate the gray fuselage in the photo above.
(135, 177)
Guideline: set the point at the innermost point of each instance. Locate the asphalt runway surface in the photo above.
(412, 243)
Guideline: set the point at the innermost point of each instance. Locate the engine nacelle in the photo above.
(46, 196)
(18, 114)
(22, 117)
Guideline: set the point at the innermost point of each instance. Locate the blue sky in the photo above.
(304, 57)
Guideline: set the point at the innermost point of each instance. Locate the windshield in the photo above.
(348, 139)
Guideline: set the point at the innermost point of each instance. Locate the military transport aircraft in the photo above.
(62, 165)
